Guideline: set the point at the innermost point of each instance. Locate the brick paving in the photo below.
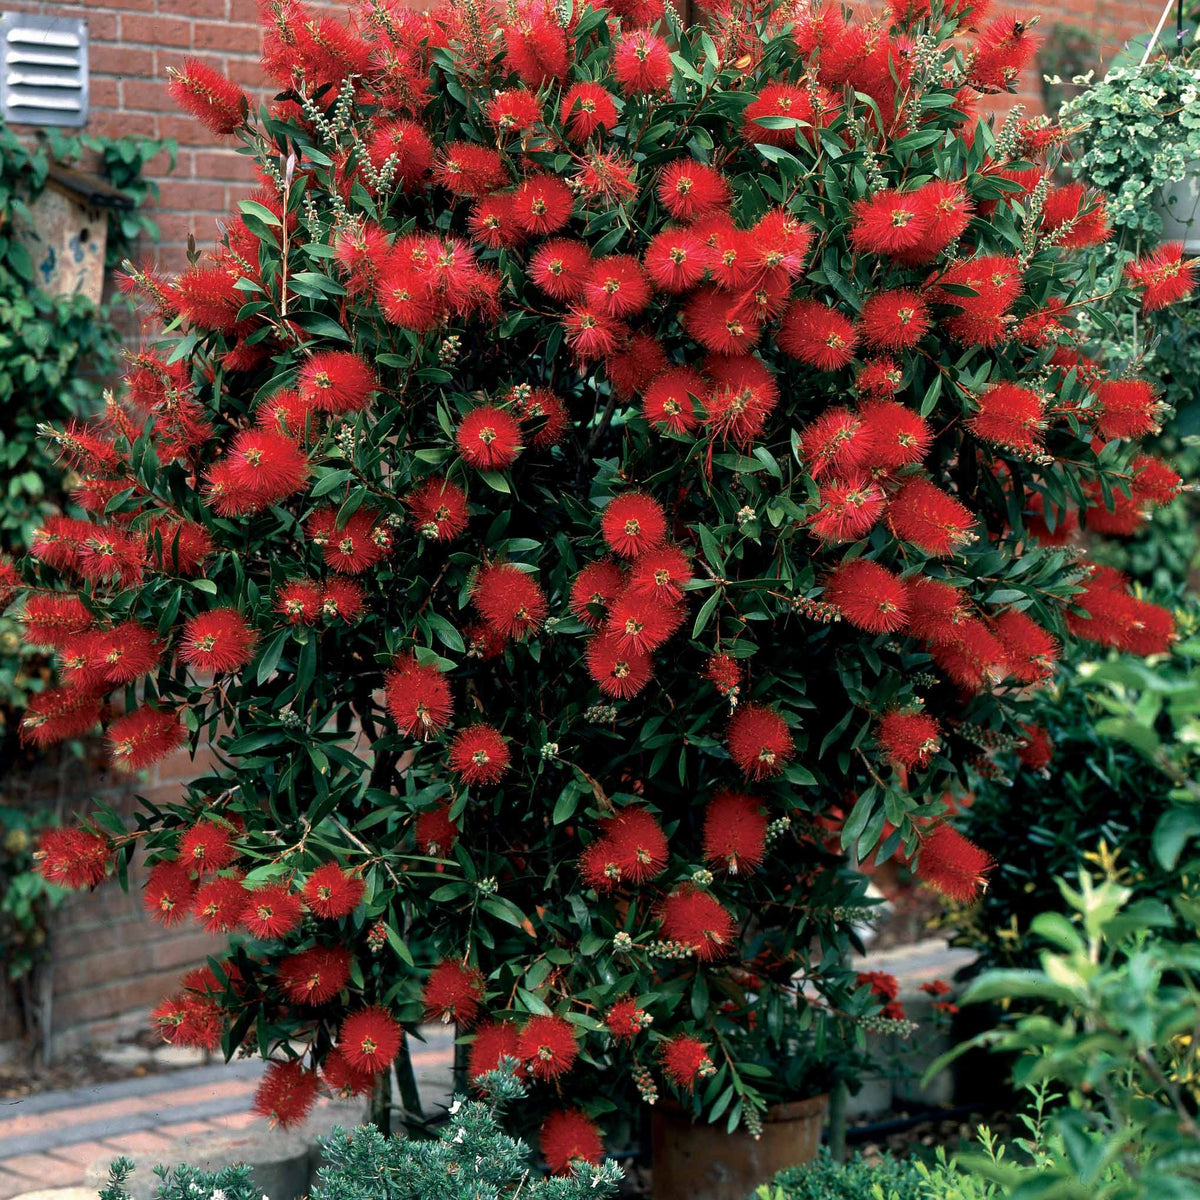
(50, 1139)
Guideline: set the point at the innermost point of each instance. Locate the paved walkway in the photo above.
(50, 1139)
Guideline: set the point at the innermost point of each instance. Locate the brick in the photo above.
(224, 35)
(186, 1129)
(188, 196)
(115, 124)
(12, 1185)
(148, 95)
(144, 1141)
(25, 1124)
(235, 1122)
(104, 93)
(120, 60)
(208, 164)
(43, 1170)
(82, 1154)
(155, 31)
(185, 130)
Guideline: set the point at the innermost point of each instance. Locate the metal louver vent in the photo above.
(43, 70)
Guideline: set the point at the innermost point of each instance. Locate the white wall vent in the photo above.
(43, 70)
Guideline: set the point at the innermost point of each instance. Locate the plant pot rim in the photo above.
(785, 1110)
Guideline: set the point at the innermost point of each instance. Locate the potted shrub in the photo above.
(1139, 131)
(592, 499)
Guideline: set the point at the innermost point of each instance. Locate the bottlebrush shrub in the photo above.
(607, 480)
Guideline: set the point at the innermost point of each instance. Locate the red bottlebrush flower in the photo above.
(360, 250)
(331, 892)
(479, 754)
(124, 653)
(567, 1137)
(494, 1041)
(453, 992)
(1009, 416)
(633, 523)
(675, 261)
(689, 190)
(685, 1060)
(909, 739)
(1030, 652)
(58, 714)
(177, 546)
(1071, 220)
(886, 987)
(189, 1020)
(206, 847)
(435, 832)
(587, 109)
(642, 63)
(892, 435)
(72, 858)
(272, 911)
(730, 254)
(778, 102)
(1036, 751)
(268, 465)
(536, 47)
(343, 1079)
(670, 400)
(620, 673)
(1037, 522)
(596, 587)
(286, 1094)
(832, 442)
(735, 832)
(662, 572)
(559, 268)
(439, 509)
(606, 177)
(631, 368)
(299, 601)
(817, 335)
(314, 976)
(357, 545)
(894, 320)
(1004, 48)
(697, 919)
(547, 1046)
(1153, 481)
(635, 844)
(952, 865)
(542, 205)
(1163, 276)
(342, 598)
(934, 609)
(970, 654)
(143, 737)
(406, 297)
(219, 903)
(625, 1020)
(890, 222)
(869, 596)
(743, 396)
(219, 640)
(1128, 408)
(489, 438)
(517, 109)
(759, 741)
(168, 893)
(418, 697)
(948, 210)
(205, 296)
(616, 286)
(591, 335)
(779, 245)
(212, 98)
(509, 600)
(924, 515)
(849, 509)
(982, 319)
(642, 621)
(370, 1039)
(336, 381)
(469, 170)
(492, 223)
(544, 410)
(724, 674)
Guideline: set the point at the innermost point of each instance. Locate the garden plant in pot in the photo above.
(590, 500)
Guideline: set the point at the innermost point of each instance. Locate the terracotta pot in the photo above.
(702, 1162)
